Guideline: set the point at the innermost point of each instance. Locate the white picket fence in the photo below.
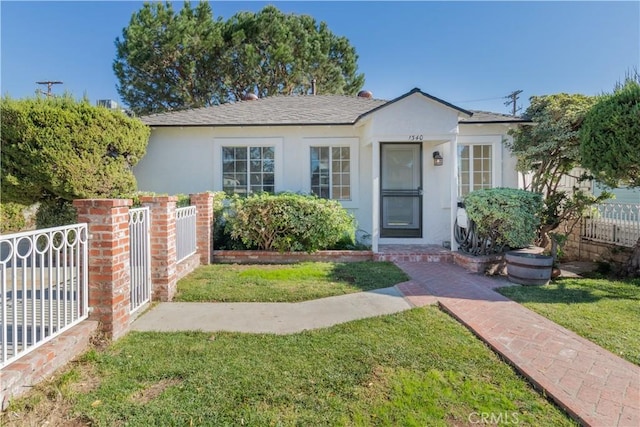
(615, 223)
(43, 274)
(185, 232)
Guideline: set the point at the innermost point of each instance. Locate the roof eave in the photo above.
(505, 122)
(231, 125)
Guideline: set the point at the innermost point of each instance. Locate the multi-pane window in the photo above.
(248, 169)
(331, 172)
(474, 168)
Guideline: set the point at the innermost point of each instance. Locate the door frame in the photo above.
(396, 232)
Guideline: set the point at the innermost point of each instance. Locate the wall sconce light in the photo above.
(437, 159)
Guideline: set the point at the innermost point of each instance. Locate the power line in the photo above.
(478, 100)
(513, 100)
(49, 84)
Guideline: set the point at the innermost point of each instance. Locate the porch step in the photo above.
(413, 253)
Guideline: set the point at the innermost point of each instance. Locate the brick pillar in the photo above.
(109, 269)
(163, 245)
(204, 225)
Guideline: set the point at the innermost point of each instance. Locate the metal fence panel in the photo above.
(44, 279)
(185, 232)
(139, 257)
(615, 223)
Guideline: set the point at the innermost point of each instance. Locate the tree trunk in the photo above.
(632, 268)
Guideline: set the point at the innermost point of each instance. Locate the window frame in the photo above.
(352, 144)
(332, 185)
(493, 141)
(248, 143)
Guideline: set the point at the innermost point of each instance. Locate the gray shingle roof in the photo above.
(275, 110)
(298, 111)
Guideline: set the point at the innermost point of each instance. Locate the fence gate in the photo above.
(140, 257)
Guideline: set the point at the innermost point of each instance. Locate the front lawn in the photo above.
(604, 311)
(285, 283)
(418, 367)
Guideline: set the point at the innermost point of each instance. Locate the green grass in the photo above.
(604, 311)
(285, 283)
(419, 367)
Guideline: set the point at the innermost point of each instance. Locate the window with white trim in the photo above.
(331, 172)
(248, 169)
(475, 167)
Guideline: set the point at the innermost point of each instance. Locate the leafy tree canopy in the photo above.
(60, 149)
(610, 136)
(167, 61)
(610, 144)
(549, 150)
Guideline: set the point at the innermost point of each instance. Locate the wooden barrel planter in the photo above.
(526, 268)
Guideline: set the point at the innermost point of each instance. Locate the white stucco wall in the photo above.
(188, 160)
(178, 160)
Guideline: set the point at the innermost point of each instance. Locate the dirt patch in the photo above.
(46, 412)
(46, 404)
(154, 390)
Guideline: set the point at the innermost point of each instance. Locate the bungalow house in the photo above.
(399, 166)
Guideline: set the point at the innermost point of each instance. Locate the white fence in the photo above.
(615, 223)
(43, 274)
(185, 232)
(139, 257)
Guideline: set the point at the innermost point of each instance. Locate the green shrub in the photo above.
(507, 216)
(183, 200)
(288, 222)
(11, 217)
(59, 148)
(55, 213)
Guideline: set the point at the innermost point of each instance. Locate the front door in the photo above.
(401, 190)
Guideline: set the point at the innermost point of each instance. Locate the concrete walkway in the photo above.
(277, 318)
(595, 386)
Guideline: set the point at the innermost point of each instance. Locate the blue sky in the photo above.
(469, 53)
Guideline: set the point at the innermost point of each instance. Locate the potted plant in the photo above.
(509, 218)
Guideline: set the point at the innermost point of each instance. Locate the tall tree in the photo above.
(610, 143)
(548, 151)
(610, 137)
(270, 53)
(167, 61)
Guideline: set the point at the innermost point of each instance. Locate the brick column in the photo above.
(109, 269)
(163, 245)
(204, 225)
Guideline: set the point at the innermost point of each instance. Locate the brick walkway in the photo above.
(593, 385)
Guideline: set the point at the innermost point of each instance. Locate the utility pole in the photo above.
(49, 84)
(513, 99)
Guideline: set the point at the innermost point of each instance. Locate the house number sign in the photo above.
(415, 138)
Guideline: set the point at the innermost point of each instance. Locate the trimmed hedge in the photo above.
(508, 216)
(59, 148)
(288, 222)
(11, 217)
